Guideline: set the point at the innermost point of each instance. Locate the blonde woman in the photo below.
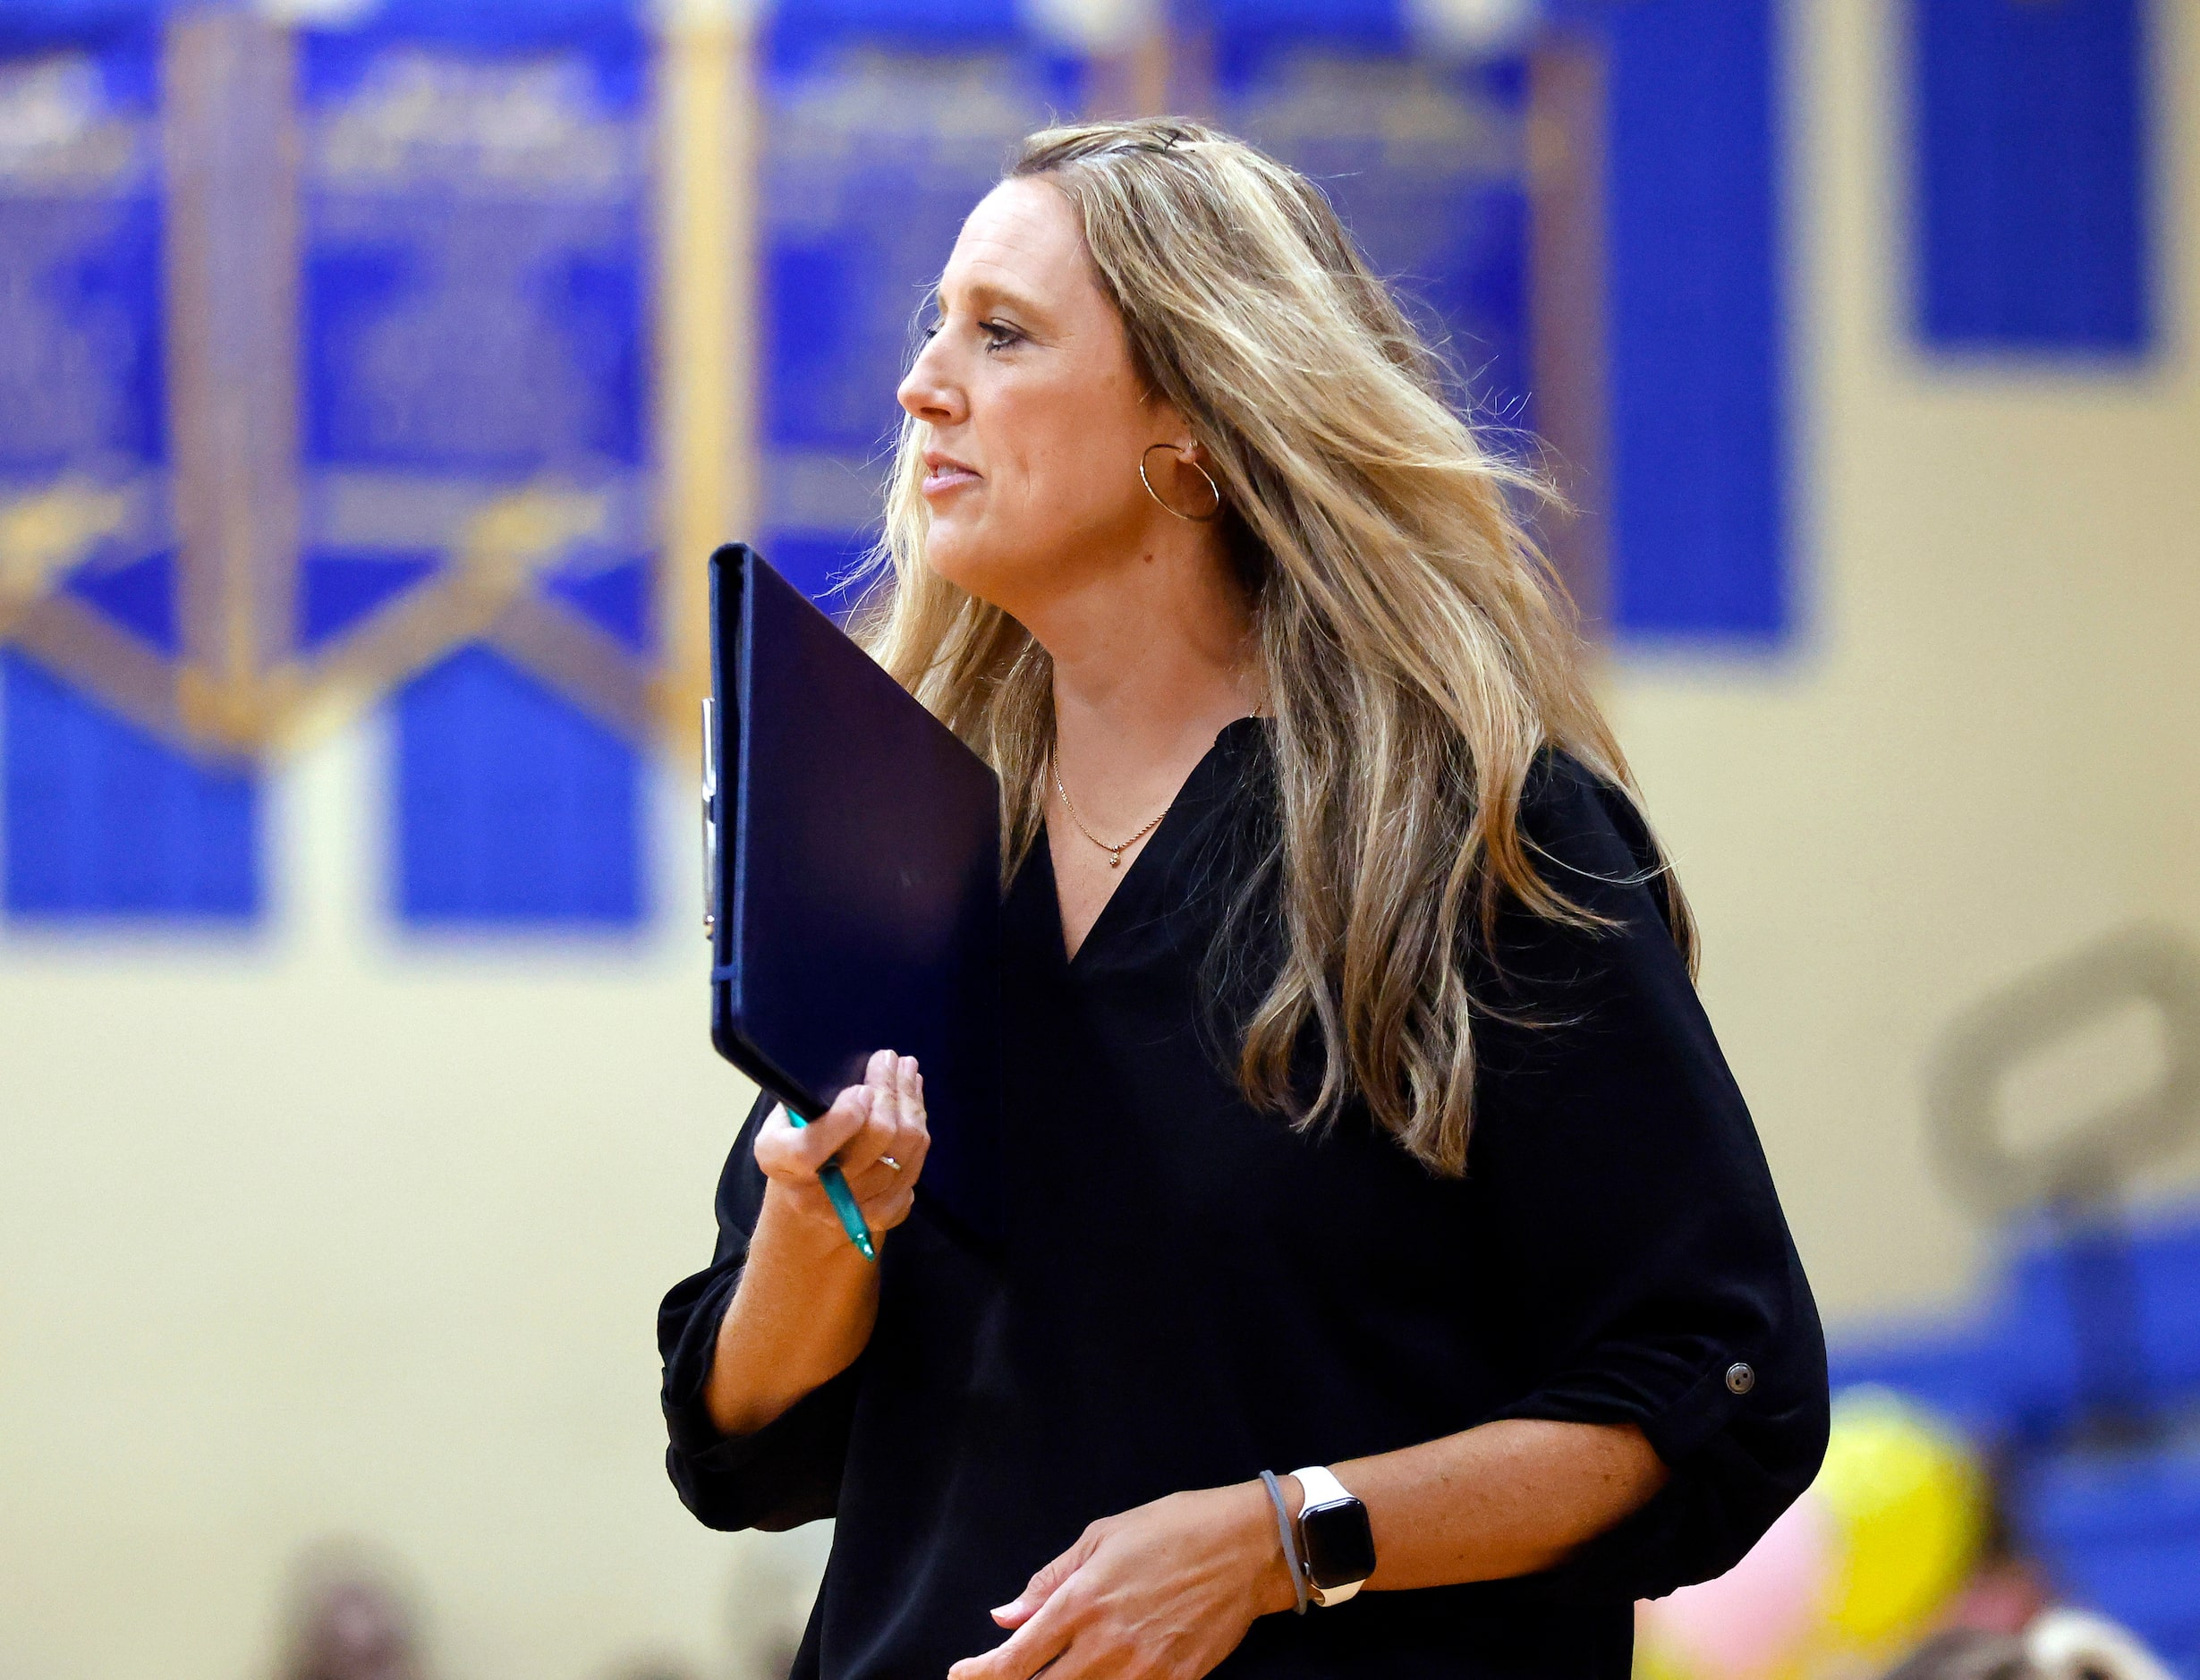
(1396, 1288)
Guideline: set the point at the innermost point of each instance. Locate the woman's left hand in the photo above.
(1163, 1592)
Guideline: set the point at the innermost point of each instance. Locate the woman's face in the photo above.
(1035, 418)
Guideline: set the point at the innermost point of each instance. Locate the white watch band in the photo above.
(1318, 1486)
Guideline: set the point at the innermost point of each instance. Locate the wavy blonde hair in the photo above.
(1417, 651)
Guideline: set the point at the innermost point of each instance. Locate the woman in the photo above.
(1361, 1113)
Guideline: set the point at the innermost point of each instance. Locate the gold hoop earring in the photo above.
(1183, 460)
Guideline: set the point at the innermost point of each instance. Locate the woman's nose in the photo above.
(927, 392)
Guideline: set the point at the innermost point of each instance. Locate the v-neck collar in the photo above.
(1152, 858)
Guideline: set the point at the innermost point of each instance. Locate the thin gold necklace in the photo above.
(1115, 851)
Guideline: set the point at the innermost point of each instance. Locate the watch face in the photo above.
(1338, 1544)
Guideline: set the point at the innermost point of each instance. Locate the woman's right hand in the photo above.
(806, 1301)
(875, 1130)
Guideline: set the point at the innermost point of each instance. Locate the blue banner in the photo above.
(878, 139)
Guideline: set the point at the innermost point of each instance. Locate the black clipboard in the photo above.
(851, 880)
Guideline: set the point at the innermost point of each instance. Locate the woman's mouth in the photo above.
(943, 473)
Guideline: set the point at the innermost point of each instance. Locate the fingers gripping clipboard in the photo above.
(851, 871)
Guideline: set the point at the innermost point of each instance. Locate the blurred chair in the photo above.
(2083, 1376)
(1964, 1655)
(2121, 1532)
(2061, 1645)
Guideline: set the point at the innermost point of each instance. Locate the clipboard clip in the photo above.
(710, 818)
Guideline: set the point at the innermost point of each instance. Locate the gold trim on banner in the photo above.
(1566, 271)
(706, 362)
(500, 555)
(241, 686)
(231, 320)
(82, 645)
(579, 660)
(44, 535)
(1133, 78)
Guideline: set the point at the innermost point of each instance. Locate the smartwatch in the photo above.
(1335, 1542)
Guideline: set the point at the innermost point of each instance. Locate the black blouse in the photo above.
(1193, 1291)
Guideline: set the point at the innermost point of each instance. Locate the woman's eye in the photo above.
(998, 337)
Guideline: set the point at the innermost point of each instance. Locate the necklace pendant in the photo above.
(1115, 860)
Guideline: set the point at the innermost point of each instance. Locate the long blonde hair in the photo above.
(1417, 651)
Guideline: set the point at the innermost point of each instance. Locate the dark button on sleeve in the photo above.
(1647, 1266)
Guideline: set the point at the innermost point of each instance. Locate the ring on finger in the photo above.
(887, 1160)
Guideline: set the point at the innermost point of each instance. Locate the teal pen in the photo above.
(843, 1198)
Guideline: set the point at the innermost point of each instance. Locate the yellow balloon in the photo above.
(1656, 1661)
(1909, 1497)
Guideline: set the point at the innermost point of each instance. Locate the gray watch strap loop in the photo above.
(1290, 1540)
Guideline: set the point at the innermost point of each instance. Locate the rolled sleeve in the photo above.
(1653, 1278)
(785, 1473)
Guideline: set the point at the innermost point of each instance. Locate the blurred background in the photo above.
(374, 378)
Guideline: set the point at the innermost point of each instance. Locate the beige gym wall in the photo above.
(1983, 751)
(329, 1232)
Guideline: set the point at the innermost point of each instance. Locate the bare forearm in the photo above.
(802, 1314)
(1507, 1498)
(807, 1298)
(1185, 1576)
